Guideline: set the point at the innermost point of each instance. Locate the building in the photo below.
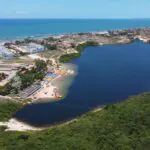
(5, 52)
(30, 48)
(10, 70)
(30, 90)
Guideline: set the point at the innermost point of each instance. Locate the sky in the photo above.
(75, 9)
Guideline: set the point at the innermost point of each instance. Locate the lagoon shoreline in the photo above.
(17, 125)
(105, 38)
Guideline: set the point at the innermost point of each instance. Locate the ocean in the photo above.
(21, 28)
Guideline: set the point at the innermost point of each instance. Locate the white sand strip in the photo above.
(15, 125)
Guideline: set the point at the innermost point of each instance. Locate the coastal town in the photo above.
(29, 67)
(74, 75)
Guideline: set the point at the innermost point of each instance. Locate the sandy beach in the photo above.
(51, 87)
(45, 92)
(15, 125)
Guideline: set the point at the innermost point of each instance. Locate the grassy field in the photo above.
(124, 126)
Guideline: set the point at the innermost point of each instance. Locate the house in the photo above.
(5, 52)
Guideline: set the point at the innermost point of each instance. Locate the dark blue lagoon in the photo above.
(107, 74)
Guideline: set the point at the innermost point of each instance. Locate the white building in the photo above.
(31, 48)
(5, 52)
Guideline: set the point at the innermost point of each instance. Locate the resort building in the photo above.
(5, 53)
(30, 48)
(10, 70)
(30, 90)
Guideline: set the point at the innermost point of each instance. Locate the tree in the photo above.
(7, 45)
(41, 66)
(51, 39)
(50, 47)
(16, 84)
(17, 42)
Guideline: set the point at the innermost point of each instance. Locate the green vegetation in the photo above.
(25, 41)
(3, 76)
(25, 78)
(50, 39)
(18, 42)
(79, 48)
(30, 76)
(23, 53)
(7, 109)
(5, 90)
(50, 47)
(124, 126)
(68, 57)
(2, 128)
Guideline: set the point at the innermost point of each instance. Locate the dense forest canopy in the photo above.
(124, 126)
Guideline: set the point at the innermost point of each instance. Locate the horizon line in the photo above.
(84, 18)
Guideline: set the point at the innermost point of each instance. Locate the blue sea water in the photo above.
(20, 28)
(107, 74)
